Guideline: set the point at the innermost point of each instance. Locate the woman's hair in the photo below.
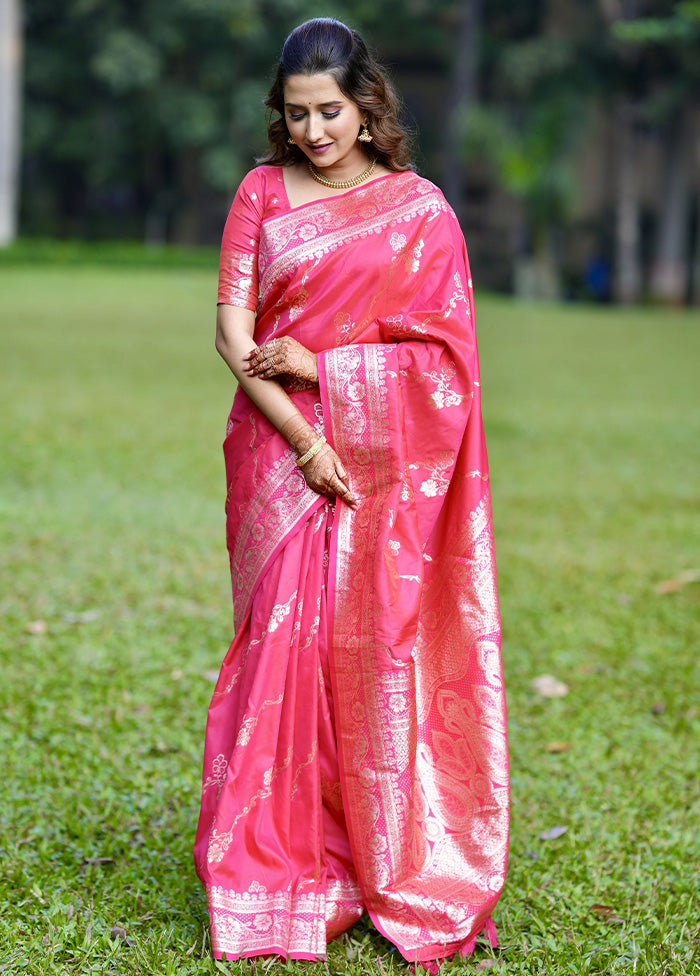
(327, 46)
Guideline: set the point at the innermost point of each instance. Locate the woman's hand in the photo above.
(282, 356)
(325, 473)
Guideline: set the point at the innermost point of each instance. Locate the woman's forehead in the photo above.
(312, 89)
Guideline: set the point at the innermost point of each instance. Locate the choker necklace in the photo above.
(343, 184)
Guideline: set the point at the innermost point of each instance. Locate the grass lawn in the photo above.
(116, 610)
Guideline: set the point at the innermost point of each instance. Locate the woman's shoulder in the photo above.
(411, 183)
(262, 180)
(424, 186)
(425, 194)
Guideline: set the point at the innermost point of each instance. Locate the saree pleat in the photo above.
(275, 856)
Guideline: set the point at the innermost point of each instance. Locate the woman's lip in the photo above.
(320, 149)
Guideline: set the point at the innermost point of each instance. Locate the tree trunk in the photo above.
(187, 220)
(10, 95)
(695, 273)
(628, 272)
(462, 94)
(627, 281)
(669, 275)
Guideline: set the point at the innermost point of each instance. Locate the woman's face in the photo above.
(323, 122)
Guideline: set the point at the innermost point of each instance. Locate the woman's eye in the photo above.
(331, 115)
(296, 118)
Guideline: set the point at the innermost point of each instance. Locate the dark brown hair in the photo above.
(327, 46)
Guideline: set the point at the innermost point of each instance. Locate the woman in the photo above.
(355, 757)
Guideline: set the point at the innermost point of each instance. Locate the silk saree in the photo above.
(356, 748)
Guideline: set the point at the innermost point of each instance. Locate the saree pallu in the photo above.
(356, 750)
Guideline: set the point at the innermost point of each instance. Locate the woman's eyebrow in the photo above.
(323, 104)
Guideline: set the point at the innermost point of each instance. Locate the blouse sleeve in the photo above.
(238, 264)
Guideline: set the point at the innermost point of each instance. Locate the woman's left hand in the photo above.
(282, 356)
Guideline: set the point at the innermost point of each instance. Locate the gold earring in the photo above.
(290, 141)
(364, 136)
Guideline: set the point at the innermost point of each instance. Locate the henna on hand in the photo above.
(299, 433)
(324, 472)
(283, 356)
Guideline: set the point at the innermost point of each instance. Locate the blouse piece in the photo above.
(261, 195)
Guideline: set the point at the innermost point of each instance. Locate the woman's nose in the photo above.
(314, 129)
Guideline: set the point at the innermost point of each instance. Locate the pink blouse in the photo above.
(261, 195)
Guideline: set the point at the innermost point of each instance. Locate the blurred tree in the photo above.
(462, 95)
(142, 115)
(154, 107)
(10, 98)
(670, 47)
(144, 107)
(653, 70)
(624, 80)
(538, 91)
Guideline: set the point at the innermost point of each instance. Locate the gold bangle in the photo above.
(312, 451)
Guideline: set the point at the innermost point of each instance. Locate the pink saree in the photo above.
(356, 751)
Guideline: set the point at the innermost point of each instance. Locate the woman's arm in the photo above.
(283, 355)
(234, 342)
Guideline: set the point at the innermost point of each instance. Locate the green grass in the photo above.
(134, 254)
(112, 536)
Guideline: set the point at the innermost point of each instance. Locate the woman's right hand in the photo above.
(325, 474)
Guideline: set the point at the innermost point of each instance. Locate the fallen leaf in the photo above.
(210, 676)
(606, 912)
(675, 584)
(177, 674)
(658, 708)
(549, 687)
(119, 932)
(553, 832)
(37, 627)
(559, 745)
(668, 586)
(485, 964)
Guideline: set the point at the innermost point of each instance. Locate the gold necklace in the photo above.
(343, 184)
